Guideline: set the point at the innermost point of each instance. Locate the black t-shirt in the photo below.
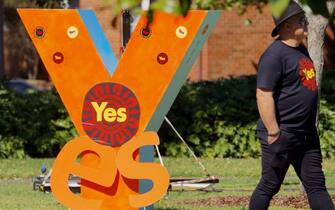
(289, 72)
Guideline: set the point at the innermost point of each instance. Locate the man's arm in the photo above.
(266, 108)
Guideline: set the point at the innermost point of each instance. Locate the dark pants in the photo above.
(303, 152)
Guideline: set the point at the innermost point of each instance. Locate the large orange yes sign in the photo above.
(116, 106)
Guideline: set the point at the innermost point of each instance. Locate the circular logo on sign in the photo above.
(146, 32)
(72, 32)
(162, 58)
(39, 32)
(110, 114)
(181, 32)
(58, 57)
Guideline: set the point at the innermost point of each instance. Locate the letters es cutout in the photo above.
(110, 117)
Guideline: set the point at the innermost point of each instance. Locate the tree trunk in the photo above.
(2, 65)
(316, 33)
(316, 30)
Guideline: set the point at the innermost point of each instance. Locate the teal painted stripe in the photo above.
(147, 152)
(183, 70)
(110, 61)
(146, 155)
(99, 39)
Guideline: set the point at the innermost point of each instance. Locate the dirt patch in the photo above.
(287, 201)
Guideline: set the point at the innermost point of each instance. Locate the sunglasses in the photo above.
(301, 20)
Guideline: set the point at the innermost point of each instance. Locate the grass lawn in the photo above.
(238, 178)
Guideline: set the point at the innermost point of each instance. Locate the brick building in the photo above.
(233, 48)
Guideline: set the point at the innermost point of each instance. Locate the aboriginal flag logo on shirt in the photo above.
(307, 74)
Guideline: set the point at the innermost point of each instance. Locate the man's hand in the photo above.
(266, 108)
(273, 137)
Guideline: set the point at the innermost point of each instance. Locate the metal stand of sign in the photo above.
(207, 183)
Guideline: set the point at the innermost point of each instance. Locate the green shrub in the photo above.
(34, 121)
(11, 147)
(327, 115)
(327, 130)
(328, 87)
(218, 119)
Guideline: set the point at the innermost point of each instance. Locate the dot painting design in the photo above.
(39, 32)
(181, 32)
(110, 114)
(204, 31)
(72, 32)
(162, 58)
(145, 32)
(58, 57)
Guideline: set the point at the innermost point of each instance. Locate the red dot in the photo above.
(58, 57)
(162, 58)
(146, 32)
(39, 32)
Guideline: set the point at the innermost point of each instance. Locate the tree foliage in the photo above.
(181, 7)
(34, 3)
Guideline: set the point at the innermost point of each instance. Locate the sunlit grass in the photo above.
(238, 177)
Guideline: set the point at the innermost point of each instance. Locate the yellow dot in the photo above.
(181, 32)
(72, 32)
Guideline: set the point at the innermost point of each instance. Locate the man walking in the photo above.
(287, 97)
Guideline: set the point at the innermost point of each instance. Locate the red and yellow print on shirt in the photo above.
(307, 74)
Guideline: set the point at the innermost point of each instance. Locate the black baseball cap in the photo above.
(292, 10)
